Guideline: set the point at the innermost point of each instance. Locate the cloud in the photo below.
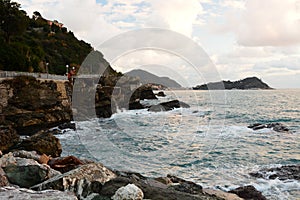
(268, 23)
(177, 15)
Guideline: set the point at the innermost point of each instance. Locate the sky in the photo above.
(241, 38)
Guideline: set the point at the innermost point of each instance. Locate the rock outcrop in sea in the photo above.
(244, 84)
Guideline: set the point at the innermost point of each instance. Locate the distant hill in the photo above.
(244, 84)
(147, 77)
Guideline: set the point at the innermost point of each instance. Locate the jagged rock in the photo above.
(27, 154)
(3, 178)
(248, 193)
(161, 94)
(65, 164)
(13, 193)
(151, 188)
(128, 192)
(68, 125)
(83, 181)
(8, 137)
(30, 105)
(282, 173)
(185, 186)
(278, 127)
(43, 142)
(143, 92)
(166, 106)
(25, 172)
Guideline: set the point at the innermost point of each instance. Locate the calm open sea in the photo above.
(208, 143)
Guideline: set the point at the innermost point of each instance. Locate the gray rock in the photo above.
(26, 194)
(282, 173)
(25, 172)
(166, 106)
(278, 127)
(83, 181)
(129, 192)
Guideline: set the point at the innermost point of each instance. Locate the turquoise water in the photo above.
(208, 143)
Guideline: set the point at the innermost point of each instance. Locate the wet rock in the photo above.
(143, 92)
(26, 194)
(248, 193)
(222, 195)
(8, 137)
(25, 172)
(129, 192)
(151, 188)
(185, 186)
(44, 142)
(83, 181)
(161, 94)
(278, 127)
(166, 106)
(67, 125)
(3, 178)
(65, 164)
(282, 173)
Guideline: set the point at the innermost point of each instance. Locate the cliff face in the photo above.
(244, 84)
(29, 105)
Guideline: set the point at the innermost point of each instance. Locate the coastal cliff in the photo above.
(244, 84)
(29, 105)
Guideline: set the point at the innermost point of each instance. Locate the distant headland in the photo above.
(244, 84)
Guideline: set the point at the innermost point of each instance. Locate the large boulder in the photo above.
(43, 142)
(129, 192)
(282, 173)
(248, 193)
(8, 137)
(84, 180)
(13, 193)
(166, 106)
(25, 172)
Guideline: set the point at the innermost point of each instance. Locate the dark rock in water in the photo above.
(65, 164)
(143, 92)
(25, 172)
(43, 142)
(248, 193)
(135, 105)
(282, 173)
(67, 125)
(8, 138)
(166, 106)
(3, 178)
(161, 94)
(278, 127)
(13, 193)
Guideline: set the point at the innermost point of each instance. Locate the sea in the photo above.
(208, 143)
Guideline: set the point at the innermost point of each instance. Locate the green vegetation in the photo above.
(28, 44)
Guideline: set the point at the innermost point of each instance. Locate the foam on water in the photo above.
(215, 149)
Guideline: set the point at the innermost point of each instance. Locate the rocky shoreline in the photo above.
(28, 174)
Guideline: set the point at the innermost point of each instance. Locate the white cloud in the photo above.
(269, 23)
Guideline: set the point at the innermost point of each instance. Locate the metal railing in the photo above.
(10, 74)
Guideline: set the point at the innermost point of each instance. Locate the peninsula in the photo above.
(244, 84)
